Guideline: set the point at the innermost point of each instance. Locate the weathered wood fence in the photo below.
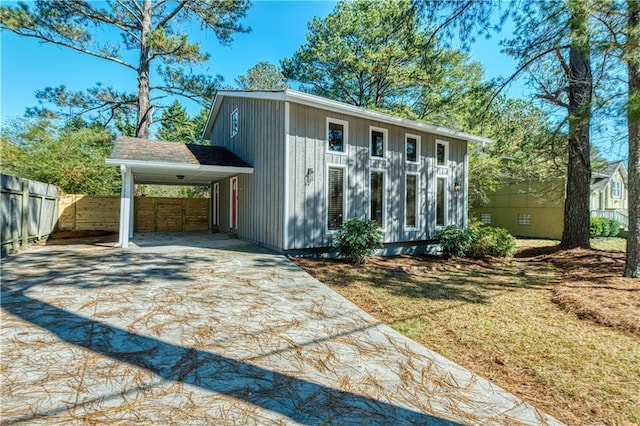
(29, 210)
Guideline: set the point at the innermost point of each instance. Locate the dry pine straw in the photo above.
(499, 319)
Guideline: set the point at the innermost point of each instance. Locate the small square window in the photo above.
(524, 219)
(485, 218)
(378, 141)
(337, 133)
(412, 148)
(234, 122)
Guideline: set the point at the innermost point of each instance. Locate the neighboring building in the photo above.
(316, 162)
(536, 209)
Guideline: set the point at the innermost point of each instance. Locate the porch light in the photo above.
(308, 178)
(457, 187)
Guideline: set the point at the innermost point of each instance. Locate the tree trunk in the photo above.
(144, 103)
(576, 206)
(632, 267)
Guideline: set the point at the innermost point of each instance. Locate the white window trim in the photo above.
(446, 153)
(326, 196)
(418, 139)
(384, 196)
(518, 215)
(417, 225)
(385, 142)
(446, 202)
(345, 124)
(617, 194)
(235, 111)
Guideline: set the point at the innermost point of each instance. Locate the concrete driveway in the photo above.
(191, 329)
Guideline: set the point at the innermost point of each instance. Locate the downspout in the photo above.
(465, 193)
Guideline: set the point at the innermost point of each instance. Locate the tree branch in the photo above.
(170, 16)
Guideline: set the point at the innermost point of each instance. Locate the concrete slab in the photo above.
(197, 329)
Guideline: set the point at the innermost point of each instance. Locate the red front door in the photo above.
(234, 203)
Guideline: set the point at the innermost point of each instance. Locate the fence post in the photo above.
(15, 237)
(25, 214)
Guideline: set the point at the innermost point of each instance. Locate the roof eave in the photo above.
(142, 165)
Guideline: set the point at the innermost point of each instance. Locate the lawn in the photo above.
(507, 321)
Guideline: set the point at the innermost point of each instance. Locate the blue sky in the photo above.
(278, 29)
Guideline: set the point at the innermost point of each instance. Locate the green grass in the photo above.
(609, 244)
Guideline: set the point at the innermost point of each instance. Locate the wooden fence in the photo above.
(29, 210)
(151, 214)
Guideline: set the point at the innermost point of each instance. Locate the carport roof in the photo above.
(171, 163)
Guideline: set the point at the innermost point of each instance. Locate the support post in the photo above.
(126, 194)
(25, 215)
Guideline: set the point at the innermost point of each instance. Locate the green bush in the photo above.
(603, 227)
(455, 241)
(491, 241)
(357, 239)
(595, 227)
(614, 228)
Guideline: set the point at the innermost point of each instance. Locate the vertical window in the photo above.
(442, 153)
(411, 200)
(524, 219)
(216, 204)
(377, 197)
(412, 148)
(485, 218)
(234, 122)
(441, 201)
(378, 138)
(337, 135)
(616, 189)
(335, 198)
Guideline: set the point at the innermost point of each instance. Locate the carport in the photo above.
(144, 161)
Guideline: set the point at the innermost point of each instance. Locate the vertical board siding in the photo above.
(307, 200)
(260, 142)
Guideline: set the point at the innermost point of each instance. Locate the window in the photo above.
(412, 148)
(234, 122)
(411, 201)
(377, 197)
(337, 135)
(335, 198)
(216, 204)
(442, 153)
(378, 141)
(524, 219)
(616, 189)
(441, 201)
(485, 218)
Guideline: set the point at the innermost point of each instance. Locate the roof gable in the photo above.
(295, 96)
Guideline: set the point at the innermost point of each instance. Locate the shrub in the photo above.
(595, 227)
(603, 227)
(455, 241)
(357, 239)
(614, 228)
(491, 241)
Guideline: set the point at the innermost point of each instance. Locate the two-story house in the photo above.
(314, 162)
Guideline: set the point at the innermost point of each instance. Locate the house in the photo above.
(536, 208)
(310, 163)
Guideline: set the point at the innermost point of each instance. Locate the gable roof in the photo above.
(297, 97)
(162, 162)
(606, 176)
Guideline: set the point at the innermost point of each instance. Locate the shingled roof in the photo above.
(137, 149)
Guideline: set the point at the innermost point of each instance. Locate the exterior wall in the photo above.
(544, 201)
(260, 142)
(307, 201)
